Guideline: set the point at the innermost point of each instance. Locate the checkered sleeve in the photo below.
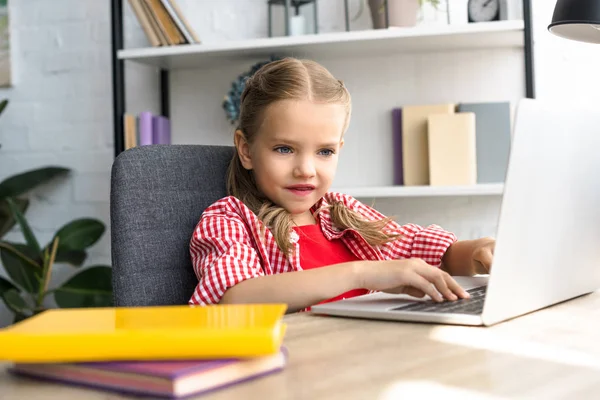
(428, 243)
(222, 256)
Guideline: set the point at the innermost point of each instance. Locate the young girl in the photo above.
(282, 237)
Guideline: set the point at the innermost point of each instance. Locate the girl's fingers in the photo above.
(419, 282)
(438, 278)
(456, 288)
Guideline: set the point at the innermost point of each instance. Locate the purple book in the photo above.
(167, 379)
(145, 128)
(397, 146)
(161, 130)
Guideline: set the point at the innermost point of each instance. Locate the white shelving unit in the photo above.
(349, 45)
(340, 44)
(489, 189)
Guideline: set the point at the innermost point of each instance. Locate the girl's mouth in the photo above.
(301, 190)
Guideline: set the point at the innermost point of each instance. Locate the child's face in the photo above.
(295, 154)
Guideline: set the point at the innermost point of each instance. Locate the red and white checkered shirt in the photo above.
(227, 248)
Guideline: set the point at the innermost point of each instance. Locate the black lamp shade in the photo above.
(577, 20)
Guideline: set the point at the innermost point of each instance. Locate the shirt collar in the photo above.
(324, 219)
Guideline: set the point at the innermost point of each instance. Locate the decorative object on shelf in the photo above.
(29, 266)
(163, 22)
(483, 10)
(5, 64)
(398, 13)
(231, 104)
(577, 20)
(294, 24)
(511, 10)
(458, 12)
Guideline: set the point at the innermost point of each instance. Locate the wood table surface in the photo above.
(550, 354)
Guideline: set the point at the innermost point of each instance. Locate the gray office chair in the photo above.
(157, 196)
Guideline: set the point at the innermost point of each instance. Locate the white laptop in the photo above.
(548, 238)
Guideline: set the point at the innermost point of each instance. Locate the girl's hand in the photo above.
(483, 254)
(410, 276)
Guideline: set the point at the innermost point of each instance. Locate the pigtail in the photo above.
(372, 231)
(279, 221)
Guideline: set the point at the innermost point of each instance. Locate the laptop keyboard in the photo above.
(472, 305)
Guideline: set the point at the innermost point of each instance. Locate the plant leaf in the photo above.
(72, 257)
(6, 285)
(7, 220)
(3, 105)
(92, 287)
(25, 228)
(25, 251)
(21, 272)
(80, 234)
(15, 302)
(21, 183)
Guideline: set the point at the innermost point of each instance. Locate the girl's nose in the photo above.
(305, 168)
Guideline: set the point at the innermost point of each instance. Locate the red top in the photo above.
(229, 245)
(316, 251)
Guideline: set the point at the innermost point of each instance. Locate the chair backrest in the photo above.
(158, 194)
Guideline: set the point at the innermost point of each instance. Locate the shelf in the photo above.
(423, 191)
(375, 42)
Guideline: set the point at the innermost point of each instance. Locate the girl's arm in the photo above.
(303, 289)
(299, 289)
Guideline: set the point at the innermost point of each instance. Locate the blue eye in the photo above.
(283, 150)
(326, 152)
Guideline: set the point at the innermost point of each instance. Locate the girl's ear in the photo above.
(243, 149)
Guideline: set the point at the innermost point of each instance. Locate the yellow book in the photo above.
(145, 333)
(452, 151)
(415, 156)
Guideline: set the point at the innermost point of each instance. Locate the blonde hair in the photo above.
(291, 79)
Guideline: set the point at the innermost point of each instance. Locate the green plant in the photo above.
(29, 266)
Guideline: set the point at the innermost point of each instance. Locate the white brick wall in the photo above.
(61, 112)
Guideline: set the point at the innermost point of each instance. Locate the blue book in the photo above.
(492, 139)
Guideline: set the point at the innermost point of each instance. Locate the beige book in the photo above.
(452, 151)
(130, 124)
(166, 23)
(184, 21)
(415, 151)
(143, 19)
(162, 36)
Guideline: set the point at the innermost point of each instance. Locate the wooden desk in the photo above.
(554, 353)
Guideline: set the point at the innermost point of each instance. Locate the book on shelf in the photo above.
(397, 145)
(451, 144)
(146, 129)
(493, 126)
(163, 22)
(170, 379)
(415, 153)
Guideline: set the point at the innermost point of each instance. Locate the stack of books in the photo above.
(161, 351)
(163, 22)
(145, 129)
(451, 143)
